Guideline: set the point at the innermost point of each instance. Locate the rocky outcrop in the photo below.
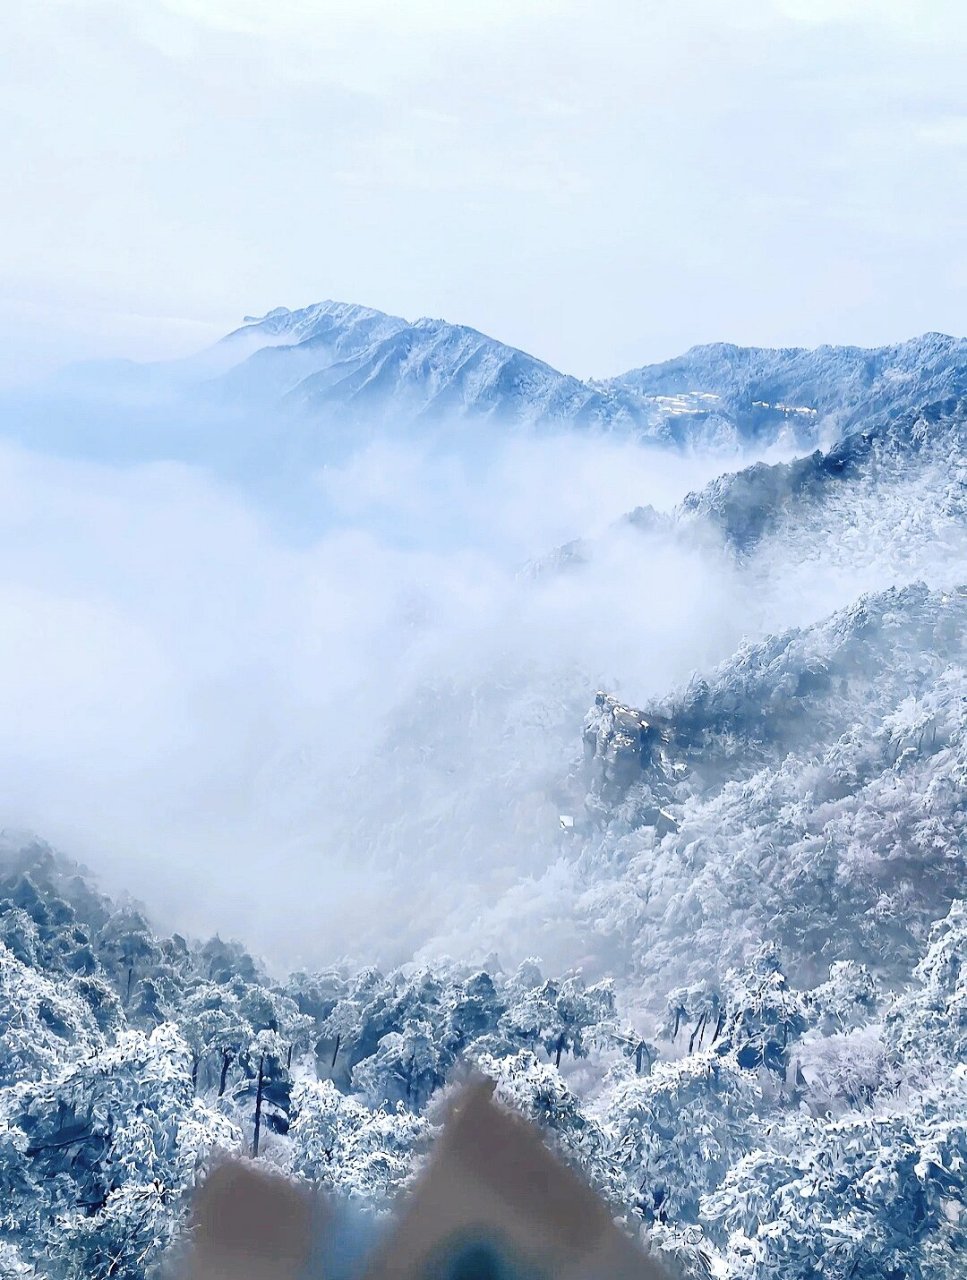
(625, 751)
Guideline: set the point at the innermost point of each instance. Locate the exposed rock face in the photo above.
(624, 749)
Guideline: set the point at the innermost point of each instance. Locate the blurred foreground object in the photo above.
(249, 1225)
(492, 1204)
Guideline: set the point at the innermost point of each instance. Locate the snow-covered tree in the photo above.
(929, 1023)
(406, 1067)
(126, 944)
(870, 1195)
(537, 1090)
(109, 1146)
(762, 1012)
(364, 1154)
(677, 1130)
(42, 1023)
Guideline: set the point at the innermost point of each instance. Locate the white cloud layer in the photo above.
(235, 726)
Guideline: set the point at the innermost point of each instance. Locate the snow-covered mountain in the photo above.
(751, 877)
(335, 359)
(906, 464)
(334, 369)
(813, 396)
(825, 754)
(809, 790)
(342, 363)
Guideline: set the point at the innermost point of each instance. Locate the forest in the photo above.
(762, 1131)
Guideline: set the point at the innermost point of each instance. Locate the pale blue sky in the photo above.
(600, 183)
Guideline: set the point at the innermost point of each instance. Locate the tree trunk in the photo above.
(127, 994)
(288, 1059)
(701, 1034)
(194, 1073)
(335, 1054)
(560, 1049)
(258, 1107)
(226, 1063)
(699, 1030)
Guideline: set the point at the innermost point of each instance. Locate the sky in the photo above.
(601, 184)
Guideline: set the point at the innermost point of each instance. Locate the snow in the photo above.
(760, 1056)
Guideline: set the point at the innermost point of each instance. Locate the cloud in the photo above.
(890, 16)
(249, 730)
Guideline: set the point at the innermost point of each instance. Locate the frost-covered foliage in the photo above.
(340, 1143)
(111, 1143)
(129, 1061)
(808, 793)
(772, 1132)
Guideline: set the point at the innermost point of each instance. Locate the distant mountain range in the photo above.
(339, 362)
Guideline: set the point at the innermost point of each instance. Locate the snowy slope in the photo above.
(826, 759)
(807, 792)
(432, 369)
(293, 345)
(885, 504)
(335, 360)
(809, 395)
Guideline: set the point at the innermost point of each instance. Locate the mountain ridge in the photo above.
(380, 366)
(341, 362)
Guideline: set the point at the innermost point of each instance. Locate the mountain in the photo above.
(338, 360)
(434, 370)
(909, 457)
(808, 395)
(808, 791)
(336, 366)
(886, 501)
(290, 346)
